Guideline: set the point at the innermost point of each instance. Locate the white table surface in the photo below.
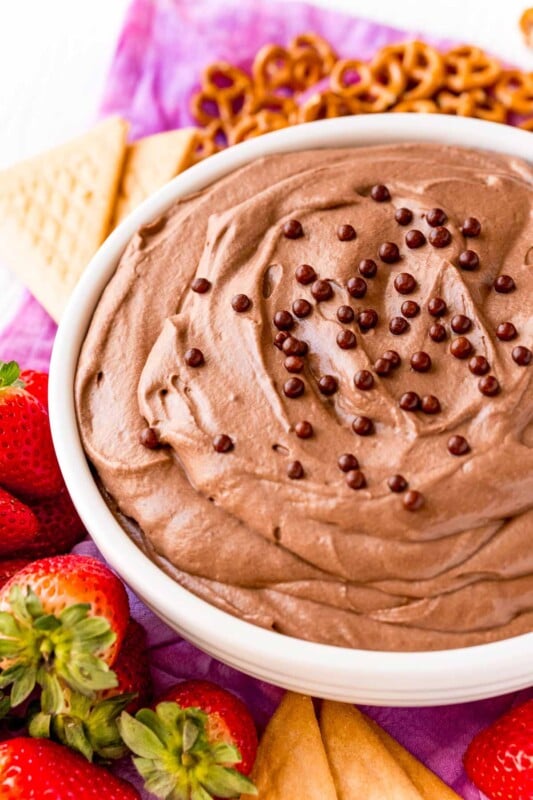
(54, 56)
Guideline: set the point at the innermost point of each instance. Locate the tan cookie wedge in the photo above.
(361, 765)
(55, 211)
(428, 784)
(291, 763)
(149, 164)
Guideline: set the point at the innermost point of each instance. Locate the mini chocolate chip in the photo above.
(301, 308)
(368, 318)
(471, 227)
(389, 253)
(468, 260)
(194, 357)
(363, 426)
(436, 217)
(430, 404)
(294, 387)
(403, 216)
(149, 439)
(321, 290)
(222, 443)
(437, 332)
(410, 401)
(293, 364)
(294, 347)
(393, 357)
(413, 500)
(404, 283)
(292, 229)
(328, 385)
(345, 314)
(421, 361)
(200, 285)
(280, 338)
(397, 483)
(506, 331)
(368, 267)
(346, 233)
(305, 274)
(240, 303)
(356, 287)
(346, 340)
(380, 193)
(489, 385)
(410, 308)
(440, 237)
(382, 367)
(398, 325)
(437, 307)
(363, 380)
(347, 462)
(504, 284)
(303, 429)
(461, 347)
(283, 320)
(460, 323)
(414, 239)
(295, 471)
(458, 446)
(355, 479)
(478, 365)
(522, 356)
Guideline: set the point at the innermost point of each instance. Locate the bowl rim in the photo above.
(380, 677)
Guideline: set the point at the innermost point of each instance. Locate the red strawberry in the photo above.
(28, 465)
(32, 769)
(132, 668)
(60, 527)
(67, 617)
(18, 525)
(36, 383)
(9, 568)
(200, 738)
(499, 760)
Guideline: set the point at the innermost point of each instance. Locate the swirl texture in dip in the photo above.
(421, 536)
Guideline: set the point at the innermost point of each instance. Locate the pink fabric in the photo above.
(162, 49)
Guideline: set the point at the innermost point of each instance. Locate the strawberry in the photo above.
(499, 760)
(32, 769)
(62, 621)
(9, 568)
(36, 383)
(60, 527)
(90, 725)
(28, 465)
(18, 525)
(199, 742)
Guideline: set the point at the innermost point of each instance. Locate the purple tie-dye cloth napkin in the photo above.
(162, 49)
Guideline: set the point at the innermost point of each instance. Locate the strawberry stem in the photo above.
(176, 758)
(10, 375)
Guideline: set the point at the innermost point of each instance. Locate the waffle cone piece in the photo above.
(149, 164)
(55, 211)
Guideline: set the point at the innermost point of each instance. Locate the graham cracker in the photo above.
(55, 211)
(291, 762)
(361, 765)
(149, 164)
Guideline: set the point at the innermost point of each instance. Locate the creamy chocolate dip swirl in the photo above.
(420, 536)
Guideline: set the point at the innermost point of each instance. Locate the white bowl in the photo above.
(380, 678)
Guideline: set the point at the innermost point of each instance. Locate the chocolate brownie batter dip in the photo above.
(310, 388)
